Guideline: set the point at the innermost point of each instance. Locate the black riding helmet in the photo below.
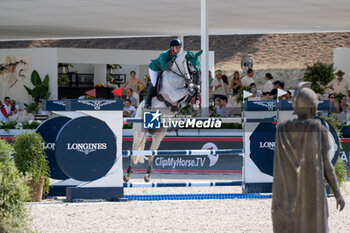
(175, 42)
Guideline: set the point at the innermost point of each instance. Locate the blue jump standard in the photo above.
(195, 196)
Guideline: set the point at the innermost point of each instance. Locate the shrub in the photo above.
(239, 98)
(340, 171)
(319, 74)
(30, 157)
(14, 192)
(339, 166)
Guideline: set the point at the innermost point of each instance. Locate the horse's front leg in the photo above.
(147, 177)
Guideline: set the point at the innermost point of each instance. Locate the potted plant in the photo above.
(112, 67)
(109, 79)
(32, 108)
(63, 67)
(30, 159)
(14, 193)
(41, 88)
(63, 80)
(319, 74)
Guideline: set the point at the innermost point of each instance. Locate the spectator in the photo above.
(129, 110)
(40, 110)
(218, 85)
(281, 85)
(5, 110)
(14, 106)
(236, 83)
(226, 86)
(227, 108)
(333, 105)
(130, 96)
(249, 79)
(211, 79)
(256, 94)
(273, 93)
(219, 108)
(135, 84)
(268, 86)
(287, 96)
(339, 85)
(343, 108)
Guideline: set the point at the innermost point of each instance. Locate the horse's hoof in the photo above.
(126, 178)
(147, 178)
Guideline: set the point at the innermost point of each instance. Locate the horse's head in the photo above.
(193, 66)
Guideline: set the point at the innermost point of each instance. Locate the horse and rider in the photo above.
(175, 80)
(164, 62)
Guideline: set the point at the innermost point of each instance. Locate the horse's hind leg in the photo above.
(138, 144)
(156, 140)
(129, 171)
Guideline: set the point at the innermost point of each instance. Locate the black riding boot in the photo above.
(148, 98)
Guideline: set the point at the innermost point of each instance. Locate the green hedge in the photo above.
(14, 193)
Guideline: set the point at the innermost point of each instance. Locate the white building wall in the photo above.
(341, 58)
(43, 60)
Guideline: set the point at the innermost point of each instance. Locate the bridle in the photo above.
(188, 72)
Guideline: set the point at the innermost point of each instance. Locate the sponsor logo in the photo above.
(270, 105)
(86, 148)
(49, 146)
(62, 103)
(179, 162)
(97, 104)
(153, 120)
(268, 145)
(213, 159)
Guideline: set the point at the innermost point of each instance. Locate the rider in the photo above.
(163, 62)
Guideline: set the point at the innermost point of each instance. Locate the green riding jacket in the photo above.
(163, 62)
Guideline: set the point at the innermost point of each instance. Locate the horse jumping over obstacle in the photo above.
(178, 86)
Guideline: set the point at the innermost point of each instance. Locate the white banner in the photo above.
(15, 71)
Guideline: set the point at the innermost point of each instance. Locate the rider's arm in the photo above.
(165, 61)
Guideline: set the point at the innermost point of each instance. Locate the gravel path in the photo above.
(235, 215)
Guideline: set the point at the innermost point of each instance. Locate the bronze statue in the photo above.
(301, 163)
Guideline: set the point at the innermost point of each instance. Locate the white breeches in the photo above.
(153, 75)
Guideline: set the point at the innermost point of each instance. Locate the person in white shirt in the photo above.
(218, 85)
(268, 85)
(249, 79)
(5, 110)
(339, 85)
(129, 110)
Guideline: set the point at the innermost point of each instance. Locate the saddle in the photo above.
(160, 97)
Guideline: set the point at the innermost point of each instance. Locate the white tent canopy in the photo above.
(45, 19)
